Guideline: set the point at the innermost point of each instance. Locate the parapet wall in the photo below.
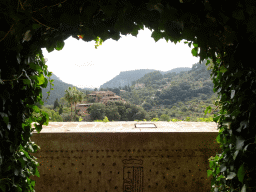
(116, 156)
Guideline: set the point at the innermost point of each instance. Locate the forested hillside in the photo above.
(59, 90)
(184, 96)
(180, 95)
(126, 78)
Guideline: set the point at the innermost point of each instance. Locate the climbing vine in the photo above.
(223, 31)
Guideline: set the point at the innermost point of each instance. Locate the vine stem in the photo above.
(7, 33)
(42, 23)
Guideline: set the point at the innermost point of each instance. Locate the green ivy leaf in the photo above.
(241, 173)
(40, 79)
(36, 26)
(50, 48)
(49, 74)
(3, 188)
(166, 38)
(44, 85)
(244, 188)
(134, 32)
(238, 14)
(22, 161)
(209, 173)
(218, 170)
(36, 172)
(156, 35)
(194, 51)
(232, 94)
(98, 42)
(251, 24)
(195, 45)
(35, 67)
(5, 117)
(224, 18)
(59, 45)
(16, 172)
(231, 175)
(235, 154)
(208, 110)
(220, 177)
(239, 143)
(27, 81)
(218, 138)
(223, 168)
(223, 69)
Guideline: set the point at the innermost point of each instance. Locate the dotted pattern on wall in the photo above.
(135, 169)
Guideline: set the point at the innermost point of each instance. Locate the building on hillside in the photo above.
(82, 111)
(104, 93)
(114, 98)
(83, 108)
(100, 97)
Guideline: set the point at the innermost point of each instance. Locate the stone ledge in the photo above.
(129, 126)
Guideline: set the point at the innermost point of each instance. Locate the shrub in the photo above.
(155, 119)
(165, 117)
(105, 119)
(175, 120)
(187, 119)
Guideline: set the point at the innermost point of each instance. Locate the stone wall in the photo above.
(81, 157)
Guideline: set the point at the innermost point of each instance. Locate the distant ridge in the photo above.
(59, 89)
(127, 77)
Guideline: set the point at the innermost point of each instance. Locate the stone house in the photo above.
(83, 108)
(100, 97)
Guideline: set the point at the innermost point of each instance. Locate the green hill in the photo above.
(59, 90)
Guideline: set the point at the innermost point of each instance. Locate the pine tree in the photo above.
(69, 96)
(61, 110)
(56, 104)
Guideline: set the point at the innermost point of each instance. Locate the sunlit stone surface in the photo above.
(117, 156)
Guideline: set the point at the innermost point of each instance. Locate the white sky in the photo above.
(80, 64)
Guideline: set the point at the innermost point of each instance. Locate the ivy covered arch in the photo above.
(223, 30)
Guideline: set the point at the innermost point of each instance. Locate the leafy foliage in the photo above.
(223, 35)
(117, 111)
(165, 117)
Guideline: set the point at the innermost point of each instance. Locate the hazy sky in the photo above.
(80, 64)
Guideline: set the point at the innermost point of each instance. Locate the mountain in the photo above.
(192, 89)
(127, 77)
(177, 70)
(124, 78)
(59, 90)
